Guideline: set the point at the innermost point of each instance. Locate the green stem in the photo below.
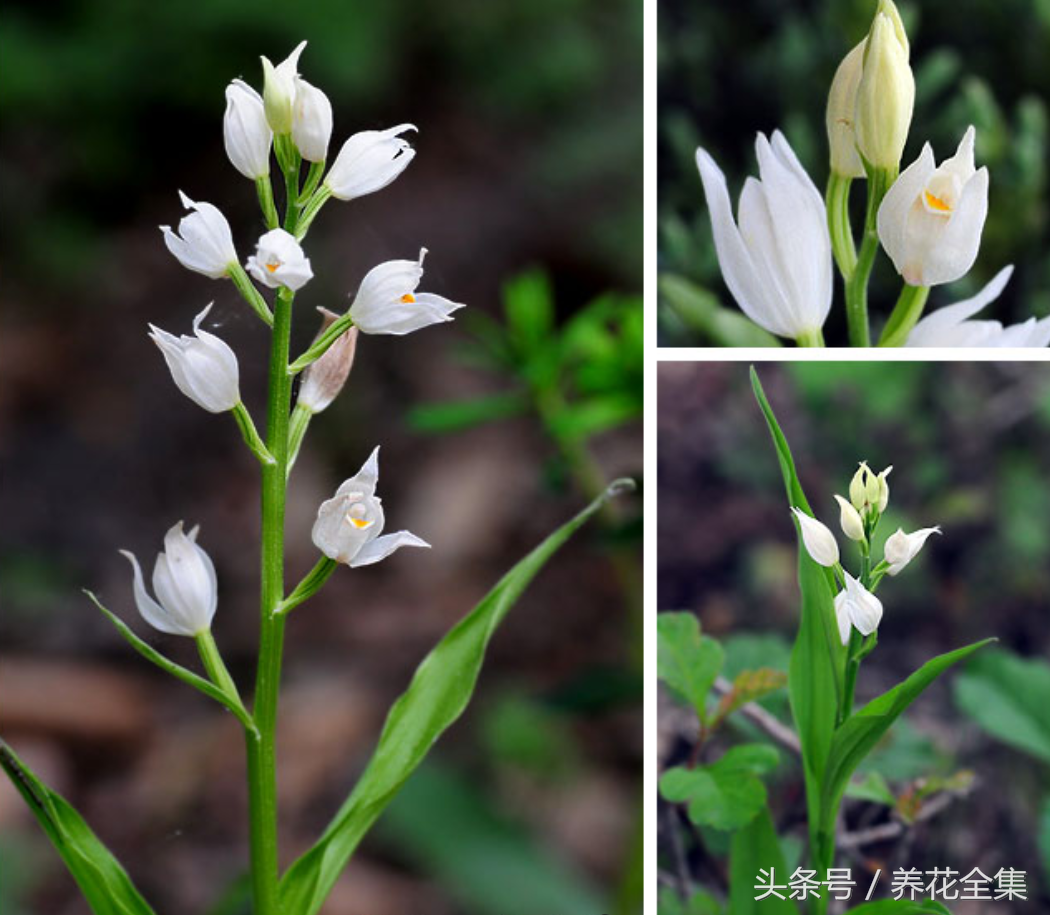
(905, 315)
(264, 189)
(251, 434)
(251, 295)
(837, 202)
(310, 585)
(811, 338)
(313, 178)
(262, 763)
(312, 208)
(879, 181)
(320, 346)
(214, 665)
(301, 417)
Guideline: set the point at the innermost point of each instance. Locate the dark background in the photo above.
(969, 444)
(727, 71)
(529, 154)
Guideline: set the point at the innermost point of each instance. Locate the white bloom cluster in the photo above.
(856, 606)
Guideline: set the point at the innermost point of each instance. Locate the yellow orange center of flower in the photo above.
(408, 298)
(273, 267)
(356, 516)
(936, 203)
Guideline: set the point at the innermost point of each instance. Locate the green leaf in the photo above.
(755, 848)
(186, 676)
(872, 787)
(687, 661)
(859, 734)
(436, 697)
(104, 883)
(455, 416)
(750, 686)
(1044, 835)
(528, 302)
(1009, 696)
(818, 657)
(700, 311)
(726, 794)
(700, 903)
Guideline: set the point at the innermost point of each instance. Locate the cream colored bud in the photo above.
(885, 93)
(818, 539)
(884, 490)
(839, 118)
(324, 379)
(850, 520)
(858, 488)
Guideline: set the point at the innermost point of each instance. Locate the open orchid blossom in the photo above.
(931, 219)
(204, 242)
(902, 548)
(951, 325)
(777, 262)
(279, 261)
(857, 607)
(387, 301)
(349, 525)
(203, 367)
(820, 543)
(368, 162)
(246, 134)
(185, 584)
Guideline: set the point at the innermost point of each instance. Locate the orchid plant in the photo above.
(776, 256)
(292, 120)
(838, 629)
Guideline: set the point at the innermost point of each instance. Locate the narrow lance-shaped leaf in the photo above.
(438, 694)
(755, 848)
(859, 734)
(105, 884)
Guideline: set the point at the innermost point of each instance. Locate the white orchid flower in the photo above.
(931, 219)
(245, 132)
(951, 326)
(902, 548)
(349, 525)
(279, 261)
(204, 243)
(387, 302)
(185, 584)
(856, 606)
(311, 121)
(840, 115)
(279, 90)
(203, 366)
(777, 264)
(885, 91)
(850, 520)
(817, 538)
(368, 162)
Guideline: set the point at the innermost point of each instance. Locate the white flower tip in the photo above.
(199, 318)
(186, 202)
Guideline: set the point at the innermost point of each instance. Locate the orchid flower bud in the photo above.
(279, 261)
(788, 294)
(311, 121)
(931, 219)
(950, 326)
(279, 90)
(885, 92)
(204, 243)
(884, 490)
(818, 540)
(839, 117)
(324, 379)
(368, 162)
(185, 583)
(850, 520)
(858, 488)
(387, 303)
(856, 606)
(902, 548)
(246, 134)
(348, 526)
(203, 366)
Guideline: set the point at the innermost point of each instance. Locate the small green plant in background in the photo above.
(838, 627)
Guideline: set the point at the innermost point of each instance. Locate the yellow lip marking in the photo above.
(273, 267)
(360, 523)
(408, 298)
(935, 203)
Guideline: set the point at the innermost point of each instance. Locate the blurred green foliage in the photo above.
(728, 71)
